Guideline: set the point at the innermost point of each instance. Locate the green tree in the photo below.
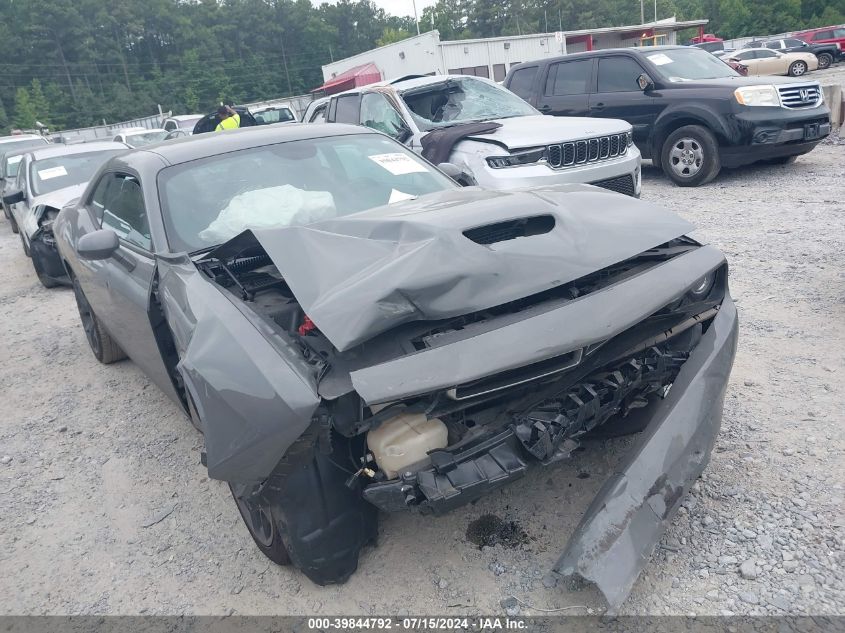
(390, 36)
(38, 102)
(24, 112)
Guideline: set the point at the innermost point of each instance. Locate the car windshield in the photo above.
(461, 100)
(145, 138)
(209, 201)
(274, 115)
(52, 174)
(689, 64)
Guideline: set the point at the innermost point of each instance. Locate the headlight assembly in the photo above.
(757, 96)
(701, 288)
(523, 157)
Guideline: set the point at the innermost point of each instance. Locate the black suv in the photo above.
(692, 114)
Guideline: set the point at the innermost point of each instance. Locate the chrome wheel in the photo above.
(798, 69)
(686, 157)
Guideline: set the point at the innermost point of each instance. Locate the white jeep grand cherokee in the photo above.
(492, 135)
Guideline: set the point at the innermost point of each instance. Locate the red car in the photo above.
(707, 37)
(825, 35)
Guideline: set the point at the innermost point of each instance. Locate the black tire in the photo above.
(13, 223)
(798, 69)
(825, 60)
(25, 247)
(102, 345)
(306, 514)
(690, 156)
(46, 280)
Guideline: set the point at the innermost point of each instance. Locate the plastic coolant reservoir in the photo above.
(405, 440)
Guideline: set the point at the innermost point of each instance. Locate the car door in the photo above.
(770, 63)
(618, 96)
(119, 288)
(564, 91)
(378, 114)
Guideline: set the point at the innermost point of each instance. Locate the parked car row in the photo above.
(304, 292)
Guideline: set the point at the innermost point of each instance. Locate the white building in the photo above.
(492, 57)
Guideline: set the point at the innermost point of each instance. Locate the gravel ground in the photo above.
(107, 510)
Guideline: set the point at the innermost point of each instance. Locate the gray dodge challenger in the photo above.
(353, 332)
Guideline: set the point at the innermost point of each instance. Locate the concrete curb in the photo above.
(834, 97)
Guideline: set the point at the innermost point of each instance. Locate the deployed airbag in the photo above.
(363, 274)
(270, 207)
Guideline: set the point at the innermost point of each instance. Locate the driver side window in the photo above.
(378, 114)
(119, 205)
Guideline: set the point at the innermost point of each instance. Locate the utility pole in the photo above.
(655, 11)
(642, 13)
(416, 19)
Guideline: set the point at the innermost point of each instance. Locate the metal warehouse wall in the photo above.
(462, 55)
(418, 55)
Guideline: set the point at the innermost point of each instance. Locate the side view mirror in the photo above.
(100, 244)
(460, 176)
(13, 197)
(644, 82)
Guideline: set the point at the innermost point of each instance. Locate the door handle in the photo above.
(598, 106)
(545, 108)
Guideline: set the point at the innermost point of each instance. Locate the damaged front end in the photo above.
(428, 407)
(45, 255)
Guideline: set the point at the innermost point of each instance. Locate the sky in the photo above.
(397, 7)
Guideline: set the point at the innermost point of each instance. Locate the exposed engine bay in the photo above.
(442, 449)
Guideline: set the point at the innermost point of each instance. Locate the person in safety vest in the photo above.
(229, 119)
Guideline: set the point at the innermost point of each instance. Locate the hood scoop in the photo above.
(511, 229)
(455, 252)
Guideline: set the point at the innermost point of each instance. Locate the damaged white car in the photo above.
(354, 333)
(491, 137)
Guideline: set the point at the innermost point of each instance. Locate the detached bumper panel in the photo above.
(621, 527)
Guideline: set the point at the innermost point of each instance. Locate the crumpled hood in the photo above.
(363, 274)
(60, 197)
(533, 131)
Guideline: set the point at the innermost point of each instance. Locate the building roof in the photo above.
(355, 76)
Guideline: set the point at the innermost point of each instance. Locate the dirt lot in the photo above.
(107, 510)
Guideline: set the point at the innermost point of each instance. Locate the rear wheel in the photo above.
(105, 349)
(690, 156)
(798, 68)
(825, 60)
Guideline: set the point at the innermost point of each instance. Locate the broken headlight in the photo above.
(701, 288)
(523, 157)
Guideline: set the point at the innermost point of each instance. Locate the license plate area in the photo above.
(812, 131)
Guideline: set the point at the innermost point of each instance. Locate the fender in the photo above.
(253, 395)
(690, 113)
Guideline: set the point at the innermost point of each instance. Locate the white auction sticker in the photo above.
(398, 164)
(52, 172)
(660, 59)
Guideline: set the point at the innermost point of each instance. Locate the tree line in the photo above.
(73, 63)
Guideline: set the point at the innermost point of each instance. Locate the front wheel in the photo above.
(690, 156)
(796, 69)
(305, 513)
(825, 60)
(104, 347)
(44, 278)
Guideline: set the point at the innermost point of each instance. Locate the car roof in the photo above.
(59, 149)
(634, 50)
(188, 148)
(21, 137)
